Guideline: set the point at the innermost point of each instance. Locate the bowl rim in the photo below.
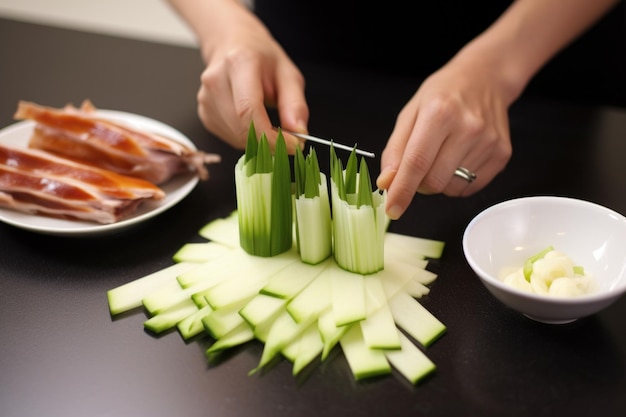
(594, 297)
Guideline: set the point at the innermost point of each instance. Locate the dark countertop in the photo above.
(63, 355)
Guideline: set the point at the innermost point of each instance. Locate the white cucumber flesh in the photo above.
(309, 346)
(237, 336)
(169, 318)
(290, 281)
(414, 247)
(379, 328)
(283, 331)
(130, 295)
(192, 325)
(261, 308)
(312, 300)
(410, 361)
(222, 321)
(172, 294)
(416, 289)
(415, 320)
(329, 332)
(247, 282)
(201, 252)
(348, 296)
(363, 361)
(223, 230)
(215, 270)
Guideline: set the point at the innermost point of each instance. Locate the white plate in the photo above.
(176, 189)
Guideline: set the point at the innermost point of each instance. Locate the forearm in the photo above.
(529, 34)
(211, 20)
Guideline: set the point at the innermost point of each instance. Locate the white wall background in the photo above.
(151, 20)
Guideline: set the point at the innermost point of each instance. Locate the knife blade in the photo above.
(329, 143)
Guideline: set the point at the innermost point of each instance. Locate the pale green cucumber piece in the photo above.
(283, 331)
(414, 247)
(253, 275)
(200, 252)
(410, 361)
(310, 346)
(222, 321)
(237, 336)
(416, 289)
(169, 318)
(288, 282)
(363, 361)
(379, 328)
(312, 300)
(262, 308)
(129, 296)
(425, 276)
(347, 295)
(170, 295)
(396, 276)
(416, 320)
(314, 226)
(329, 331)
(223, 230)
(192, 325)
(216, 269)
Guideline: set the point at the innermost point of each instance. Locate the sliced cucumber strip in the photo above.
(191, 325)
(329, 331)
(237, 336)
(312, 300)
(291, 280)
(347, 292)
(418, 322)
(169, 318)
(379, 328)
(363, 361)
(130, 295)
(224, 231)
(414, 246)
(201, 252)
(222, 321)
(410, 361)
(261, 309)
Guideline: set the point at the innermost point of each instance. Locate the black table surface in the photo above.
(62, 354)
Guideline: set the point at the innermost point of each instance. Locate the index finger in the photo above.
(415, 159)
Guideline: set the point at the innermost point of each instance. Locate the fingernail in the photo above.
(394, 212)
(384, 179)
(301, 126)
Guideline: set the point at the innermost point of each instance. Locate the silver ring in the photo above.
(465, 173)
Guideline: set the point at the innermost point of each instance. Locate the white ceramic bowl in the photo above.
(504, 235)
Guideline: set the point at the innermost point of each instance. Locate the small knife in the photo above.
(329, 143)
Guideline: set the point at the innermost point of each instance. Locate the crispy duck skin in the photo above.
(84, 136)
(38, 182)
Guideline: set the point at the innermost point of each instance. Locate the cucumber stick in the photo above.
(348, 296)
(414, 319)
(129, 296)
(201, 252)
(363, 361)
(410, 361)
(304, 349)
(261, 309)
(168, 319)
(237, 336)
(379, 328)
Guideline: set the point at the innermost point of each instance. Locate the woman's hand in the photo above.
(246, 70)
(457, 118)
